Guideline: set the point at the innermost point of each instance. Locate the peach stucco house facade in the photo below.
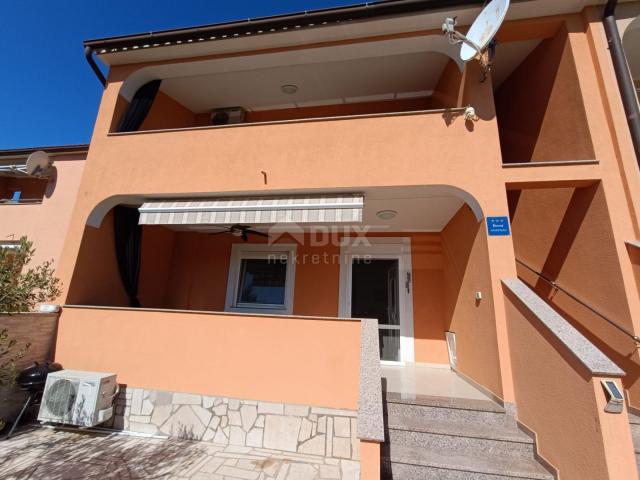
(39, 205)
(274, 214)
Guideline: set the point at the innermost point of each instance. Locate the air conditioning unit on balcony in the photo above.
(227, 116)
(84, 399)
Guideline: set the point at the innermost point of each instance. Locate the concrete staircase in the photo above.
(455, 439)
(634, 421)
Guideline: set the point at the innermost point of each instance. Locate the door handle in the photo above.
(407, 283)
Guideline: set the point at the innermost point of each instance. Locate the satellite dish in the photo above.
(484, 28)
(38, 163)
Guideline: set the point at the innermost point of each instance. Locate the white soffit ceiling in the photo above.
(357, 51)
(365, 79)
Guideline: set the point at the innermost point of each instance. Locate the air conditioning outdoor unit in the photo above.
(72, 397)
(227, 116)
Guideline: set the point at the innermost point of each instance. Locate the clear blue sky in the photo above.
(48, 93)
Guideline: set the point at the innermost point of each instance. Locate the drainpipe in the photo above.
(625, 83)
(88, 54)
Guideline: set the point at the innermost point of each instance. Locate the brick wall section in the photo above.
(39, 329)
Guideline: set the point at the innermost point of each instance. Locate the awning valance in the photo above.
(343, 208)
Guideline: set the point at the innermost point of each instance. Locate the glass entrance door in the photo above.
(374, 294)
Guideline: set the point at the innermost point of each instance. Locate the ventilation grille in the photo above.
(60, 398)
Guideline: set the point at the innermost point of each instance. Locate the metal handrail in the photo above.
(553, 284)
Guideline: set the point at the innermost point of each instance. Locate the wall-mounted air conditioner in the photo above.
(227, 116)
(84, 399)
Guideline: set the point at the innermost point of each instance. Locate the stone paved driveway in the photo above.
(44, 453)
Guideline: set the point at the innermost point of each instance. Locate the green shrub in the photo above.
(22, 288)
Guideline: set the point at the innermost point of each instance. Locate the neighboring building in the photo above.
(255, 188)
(38, 204)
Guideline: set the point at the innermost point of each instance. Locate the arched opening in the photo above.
(414, 258)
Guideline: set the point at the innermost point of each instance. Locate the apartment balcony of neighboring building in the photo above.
(38, 187)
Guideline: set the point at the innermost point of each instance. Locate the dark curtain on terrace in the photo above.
(139, 107)
(128, 239)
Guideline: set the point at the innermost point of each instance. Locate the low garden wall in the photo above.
(38, 329)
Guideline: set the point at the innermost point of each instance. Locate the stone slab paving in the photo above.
(45, 453)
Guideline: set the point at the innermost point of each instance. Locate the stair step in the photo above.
(509, 432)
(466, 446)
(445, 402)
(440, 413)
(634, 419)
(635, 435)
(402, 471)
(469, 467)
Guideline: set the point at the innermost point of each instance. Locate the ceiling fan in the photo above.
(242, 231)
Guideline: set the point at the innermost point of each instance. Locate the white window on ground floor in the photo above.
(261, 279)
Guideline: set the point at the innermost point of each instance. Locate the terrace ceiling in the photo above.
(383, 70)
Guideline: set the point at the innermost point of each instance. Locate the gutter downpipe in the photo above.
(625, 83)
(88, 54)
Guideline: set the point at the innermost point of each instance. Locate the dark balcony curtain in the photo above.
(139, 107)
(128, 239)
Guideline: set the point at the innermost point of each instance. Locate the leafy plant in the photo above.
(21, 288)
(9, 355)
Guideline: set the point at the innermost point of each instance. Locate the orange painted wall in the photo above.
(46, 224)
(155, 268)
(168, 113)
(369, 460)
(467, 270)
(448, 91)
(429, 321)
(566, 234)
(541, 113)
(563, 404)
(311, 362)
(361, 108)
(96, 280)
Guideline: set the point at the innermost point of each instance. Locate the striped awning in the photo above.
(344, 208)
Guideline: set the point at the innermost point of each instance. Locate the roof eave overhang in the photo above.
(270, 25)
(23, 153)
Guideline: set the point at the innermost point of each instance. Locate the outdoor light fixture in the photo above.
(289, 89)
(386, 214)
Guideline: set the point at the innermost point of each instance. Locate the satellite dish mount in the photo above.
(478, 42)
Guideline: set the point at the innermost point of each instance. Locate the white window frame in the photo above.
(9, 245)
(382, 248)
(241, 251)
